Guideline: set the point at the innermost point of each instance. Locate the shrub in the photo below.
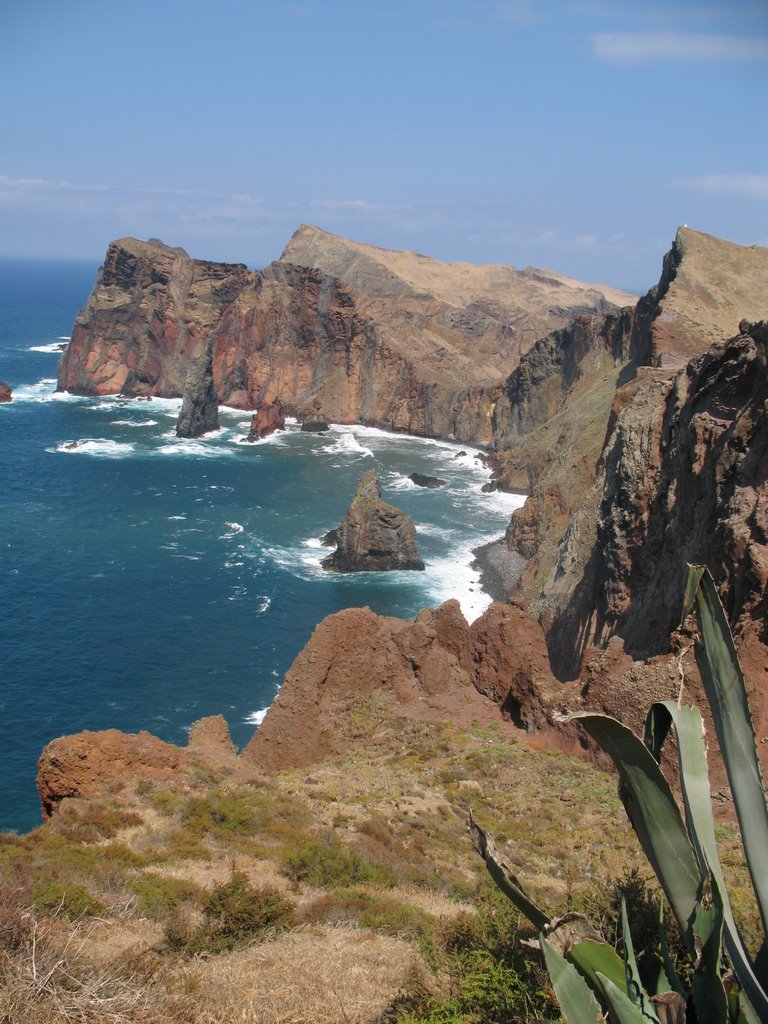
(329, 864)
(159, 896)
(73, 900)
(235, 914)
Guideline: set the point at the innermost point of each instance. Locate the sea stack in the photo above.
(200, 406)
(266, 420)
(5, 392)
(373, 535)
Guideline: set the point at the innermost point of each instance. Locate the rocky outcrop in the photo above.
(435, 667)
(336, 330)
(572, 584)
(6, 393)
(315, 426)
(150, 313)
(200, 408)
(373, 535)
(266, 420)
(423, 480)
(93, 763)
(683, 479)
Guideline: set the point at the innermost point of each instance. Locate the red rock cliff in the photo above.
(404, 342)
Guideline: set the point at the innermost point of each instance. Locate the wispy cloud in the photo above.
(638, 47)
(748, 186)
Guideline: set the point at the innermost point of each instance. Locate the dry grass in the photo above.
(313, 976)
(399, 808)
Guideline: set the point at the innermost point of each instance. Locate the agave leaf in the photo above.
(694, 782)
(595, 960)
(653, 813)
(634, 985)
(576, 1000)
(502, 874)
(670, 975)
(727, 695)
(708, 993)
(621, 1008)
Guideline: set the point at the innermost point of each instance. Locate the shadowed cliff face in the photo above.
(335, 330)
(681, 479)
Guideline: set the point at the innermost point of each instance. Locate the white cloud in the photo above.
(636, 47)
(748, 186)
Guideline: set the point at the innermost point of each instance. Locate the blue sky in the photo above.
(573, 135)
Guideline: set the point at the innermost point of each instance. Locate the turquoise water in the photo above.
(146, 581)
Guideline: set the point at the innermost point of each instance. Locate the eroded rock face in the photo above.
(93, 763)
(337, 330)
(436, 666)
(6, 394)
(682, 480)
(266, 420)
(373, 535)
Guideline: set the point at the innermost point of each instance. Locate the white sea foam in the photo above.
(346, 442)
(256, 717)
(42, 391)
(183, 446)
(55, 348)
(176, 517)
(134, 423)
(99, 446)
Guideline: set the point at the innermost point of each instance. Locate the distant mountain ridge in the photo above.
(335, 329)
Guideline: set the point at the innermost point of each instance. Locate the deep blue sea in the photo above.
(146, 581)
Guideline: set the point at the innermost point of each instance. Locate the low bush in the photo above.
(235, 914)
(158, 896)
(327, 863)
(389, 916)
(65, 898)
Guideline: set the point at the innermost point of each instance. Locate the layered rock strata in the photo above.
(404, 342)
(373, 535)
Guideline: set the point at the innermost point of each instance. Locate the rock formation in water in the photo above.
(423, 480)
(6, 393)
(200, 408)
(337, 330)
(266, 420)
(373, 535)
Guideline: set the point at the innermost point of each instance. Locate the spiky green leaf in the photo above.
(727, 695)
(653, 813)
(576, 999)
(621, 1008)
(694, 783)
(502, 874)
(707, 927)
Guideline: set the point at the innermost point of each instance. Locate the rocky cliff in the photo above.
(336, 330)
(373, 535)
(638, 469)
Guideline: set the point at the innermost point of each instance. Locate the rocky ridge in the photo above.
(401, 341)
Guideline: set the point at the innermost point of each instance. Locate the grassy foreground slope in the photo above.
(344, 892)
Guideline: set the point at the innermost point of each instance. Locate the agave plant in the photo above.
(592, 982)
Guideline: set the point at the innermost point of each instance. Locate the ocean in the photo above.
(146, 581)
